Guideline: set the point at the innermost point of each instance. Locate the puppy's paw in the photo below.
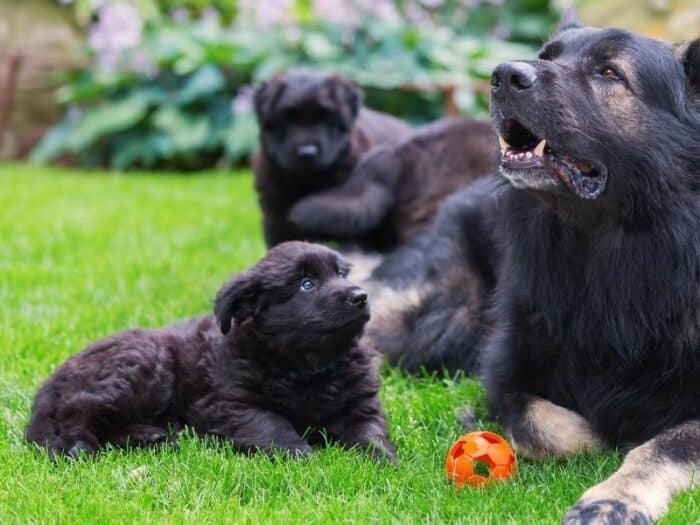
(301, 451)
(466, 416)
(308, 214)
(80, 448)
(142, 436)
(382, 449)
(607, 512)
(148, 436)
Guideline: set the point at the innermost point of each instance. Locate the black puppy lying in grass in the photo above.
(283, 362)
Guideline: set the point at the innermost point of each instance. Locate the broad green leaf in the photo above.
(107, 118)
(187, 133)
(204, 82)
(53, 144)
(241, 138)
(318, 47)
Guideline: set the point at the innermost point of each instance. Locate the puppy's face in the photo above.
(296, 299)
(306, 121)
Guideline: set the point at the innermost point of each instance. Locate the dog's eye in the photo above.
(609, 73)
(307, 285)
(343, 272)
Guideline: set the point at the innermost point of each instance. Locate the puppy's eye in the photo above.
(307, 285)
(343, 272)
(609, 73)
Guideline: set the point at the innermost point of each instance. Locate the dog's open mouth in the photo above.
(525, 158)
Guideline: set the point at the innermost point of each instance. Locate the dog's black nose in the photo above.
(513, 77)
(357, 297)
(307, 151)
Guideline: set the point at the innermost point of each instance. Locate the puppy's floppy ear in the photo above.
(348, 95)
(237, 300)
(569, 20)
(266, 97)
(689, 55)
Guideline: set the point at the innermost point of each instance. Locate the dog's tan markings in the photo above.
(388, 306)
(553, 431)
(363, 264)
(642, 489)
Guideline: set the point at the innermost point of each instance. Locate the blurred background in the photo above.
(167, 84)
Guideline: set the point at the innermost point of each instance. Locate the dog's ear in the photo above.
(237, 300)
(266, 97)
(348, 96)
(569, 20)
(689, 55)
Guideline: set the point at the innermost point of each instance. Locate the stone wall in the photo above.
(672, 20)
(42, 34)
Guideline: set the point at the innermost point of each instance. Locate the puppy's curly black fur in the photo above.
(282, 371)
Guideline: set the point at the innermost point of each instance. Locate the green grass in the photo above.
(84, 255)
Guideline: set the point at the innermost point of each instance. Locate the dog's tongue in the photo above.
(579, 184)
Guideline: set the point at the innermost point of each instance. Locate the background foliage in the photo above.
(169, 83)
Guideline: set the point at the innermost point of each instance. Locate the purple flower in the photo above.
(266, 14)
(351, 13)
(384, 10)
(211, 16)
(243, 101)
(335, 12)
(140, 62)
(416, 13)
(501, 31)
(179, 14)
(119, 28)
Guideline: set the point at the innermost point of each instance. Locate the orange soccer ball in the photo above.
(480, 457)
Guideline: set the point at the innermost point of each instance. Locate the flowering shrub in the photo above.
(172, 85)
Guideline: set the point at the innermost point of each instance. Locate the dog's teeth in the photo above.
(503, 143)
(539, 149)
(528, 155)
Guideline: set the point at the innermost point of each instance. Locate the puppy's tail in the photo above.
(356, 207)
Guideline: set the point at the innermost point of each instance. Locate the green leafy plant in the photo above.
(176, 92)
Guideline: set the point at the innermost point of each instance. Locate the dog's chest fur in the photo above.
(614, 314)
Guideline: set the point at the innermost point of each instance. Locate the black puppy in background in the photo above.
(282, 371)
(396, 189)
(313, 130)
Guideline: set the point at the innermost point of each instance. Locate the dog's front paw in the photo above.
(80, 448)
(381, 449)
(295, 451)
(607, 512)
(305, 214)
(302, 452)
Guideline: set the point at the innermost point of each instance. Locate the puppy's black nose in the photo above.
(307, 151)
(513, 77)
(357, 297)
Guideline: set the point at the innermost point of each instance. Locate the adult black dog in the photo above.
(588, 249)
(291, 366)
(313, 130)
(396, 189)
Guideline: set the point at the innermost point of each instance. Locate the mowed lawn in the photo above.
(86, 254)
